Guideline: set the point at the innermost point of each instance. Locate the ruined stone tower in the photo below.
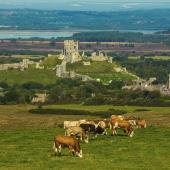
(71, 53)
(61, 70)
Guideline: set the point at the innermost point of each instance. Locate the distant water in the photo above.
(49, 34)
(30, 34)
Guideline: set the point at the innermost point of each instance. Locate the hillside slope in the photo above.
(101, 70)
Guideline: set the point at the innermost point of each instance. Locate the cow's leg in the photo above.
(95, 135)
(126, 131)
(67, 133)
(110, 126)
(72, 151)
(144, 125)
(85, 137)
(114, 132)
(55, 149)
(81, 137)
(131, 134)
(105, 132)
(59, 149)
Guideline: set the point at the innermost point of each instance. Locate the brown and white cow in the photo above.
(77, 132)
(96, 129)
(73, 123)
(122, 124)
(67, 142)
(141, 123)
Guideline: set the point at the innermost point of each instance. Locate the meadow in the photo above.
(32, 149)
(29, 75)
(26, 140)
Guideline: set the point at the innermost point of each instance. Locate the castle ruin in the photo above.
(71, 51)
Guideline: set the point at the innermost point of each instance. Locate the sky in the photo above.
(86, 5)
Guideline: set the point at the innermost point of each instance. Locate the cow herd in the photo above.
(76, 131)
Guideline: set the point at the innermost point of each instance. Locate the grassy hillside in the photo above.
(30, 75)
(51, 62)
(100, 70)
(97, 70)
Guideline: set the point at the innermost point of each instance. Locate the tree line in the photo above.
(66, 91)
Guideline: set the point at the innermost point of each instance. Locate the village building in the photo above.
(86, 63)
(39, 98)
(149, 86)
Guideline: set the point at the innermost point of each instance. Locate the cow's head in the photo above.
(79, 154)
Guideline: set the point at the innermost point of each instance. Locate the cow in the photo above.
(88, 127)
(141, 123)
(67, 142)
(107, 123)
(102, 125)
(122, 124)
(77, 132)
(73, 123)
(131, 120)
(95, 129)
(119, 117)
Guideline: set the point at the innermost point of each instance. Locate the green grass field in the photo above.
(30, 75)
(32, 149)
(51, 62)
(150, 57)
(159, 57)
(26, 141)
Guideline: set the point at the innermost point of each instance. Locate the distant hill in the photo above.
(165, 32)
(28, 19)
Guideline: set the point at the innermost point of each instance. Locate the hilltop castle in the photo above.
(71, 54)
(71, 51)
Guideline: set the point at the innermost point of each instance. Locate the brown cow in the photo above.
(119, 117)
(67, 142)
(77, 132)
(141, 123)
(122, 124)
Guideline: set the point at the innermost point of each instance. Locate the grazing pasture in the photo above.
(32, 149)
(26, 141)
